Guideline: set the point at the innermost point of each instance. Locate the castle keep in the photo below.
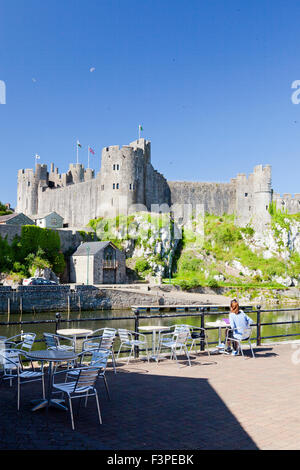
(128, 181)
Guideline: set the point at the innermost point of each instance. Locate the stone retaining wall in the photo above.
(31, 299)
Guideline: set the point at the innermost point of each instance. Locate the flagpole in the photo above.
(88, 156)
(77, 152)
(139, 132)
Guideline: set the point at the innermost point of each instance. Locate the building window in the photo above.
(130, 186)
(114, 167)
(118, 167)
(117, 185)
(28, 184)
(114, 186)
(246, 194)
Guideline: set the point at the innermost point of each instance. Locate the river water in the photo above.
(102, 321)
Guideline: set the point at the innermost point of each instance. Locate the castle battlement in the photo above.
(128, 181)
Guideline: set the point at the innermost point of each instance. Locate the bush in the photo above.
(142, 265)
(212, 282)
(35, 248)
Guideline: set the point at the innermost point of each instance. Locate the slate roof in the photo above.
(95, 247)
(5, 218)
(43, 215)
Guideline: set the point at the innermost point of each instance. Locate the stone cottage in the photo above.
(98, 263)
(51, 220)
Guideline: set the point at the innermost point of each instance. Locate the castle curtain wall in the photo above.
(217, 198)
(76, 203)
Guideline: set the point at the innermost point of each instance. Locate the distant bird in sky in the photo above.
(92, 69)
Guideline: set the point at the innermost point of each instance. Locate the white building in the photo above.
(52, 220)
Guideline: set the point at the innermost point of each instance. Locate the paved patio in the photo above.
(218, 403)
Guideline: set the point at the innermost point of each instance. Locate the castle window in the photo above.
(130, 186)
(28, 183)
(107, 148)
(118, 167)
(114, 167)
(246, 194)
(117, 185)
(114, 186)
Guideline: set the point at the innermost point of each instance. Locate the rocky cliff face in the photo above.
(219, 254)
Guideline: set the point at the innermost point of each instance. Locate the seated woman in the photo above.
(239, 322)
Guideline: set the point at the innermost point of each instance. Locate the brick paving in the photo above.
(218, 403)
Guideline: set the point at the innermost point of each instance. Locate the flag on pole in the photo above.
(140, 129)
(79, 144)
(37, 157)
(91, 151)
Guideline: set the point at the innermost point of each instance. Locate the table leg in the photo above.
(56, 402)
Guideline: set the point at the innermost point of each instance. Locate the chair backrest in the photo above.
(124, 334)
(182, 336)
(182, 327)
(27, 341)
(51, 340)
(107, 339)
(86, 378)
(99, 359)
(246, 333)
(10, 359)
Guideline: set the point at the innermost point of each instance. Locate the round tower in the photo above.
(27, 192)
(262, 195)
(122, 182)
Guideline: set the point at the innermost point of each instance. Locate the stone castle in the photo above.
(128, 181)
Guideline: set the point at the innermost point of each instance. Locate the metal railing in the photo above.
(203, 312)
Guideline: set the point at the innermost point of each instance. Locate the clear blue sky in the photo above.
(209, 80)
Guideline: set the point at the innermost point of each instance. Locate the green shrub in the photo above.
(142, 265)
(212, 282)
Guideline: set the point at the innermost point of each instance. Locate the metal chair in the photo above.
(13, 369)
(196, 333)
(83, 386)
(25, 344)
(127, 339)
(102, 342)
(53, 341)
(246, 336)
(97, 359)
(174, 341)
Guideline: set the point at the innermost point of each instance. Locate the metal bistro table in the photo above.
(219, 324)
(51, 356)
(74, 332)
(154, 329)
